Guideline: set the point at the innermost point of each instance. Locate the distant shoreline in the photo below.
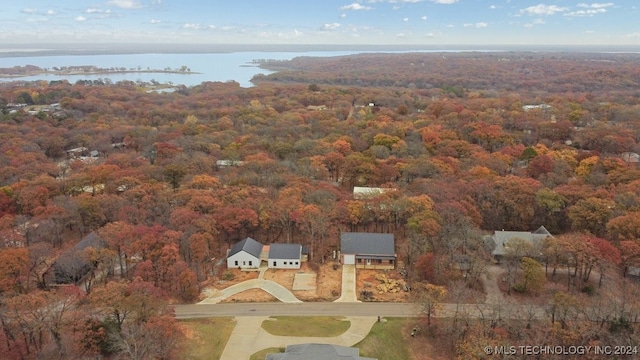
(30, 70)
(32, 50)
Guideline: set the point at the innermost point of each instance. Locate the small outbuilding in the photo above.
(245, 255)
(285, 256)
(368, 250)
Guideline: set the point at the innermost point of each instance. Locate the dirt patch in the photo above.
(230, 277)
(384, 285)
(253, 295)
(329, 282)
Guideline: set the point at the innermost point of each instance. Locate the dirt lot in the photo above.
(384, 285)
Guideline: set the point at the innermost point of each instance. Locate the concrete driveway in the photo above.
(348, 293)
(278, 291)
(249, 337)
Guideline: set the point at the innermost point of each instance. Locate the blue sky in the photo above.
(423, 22)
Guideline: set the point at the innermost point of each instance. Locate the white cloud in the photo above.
(51, 12)
(534, 23)
(588, 12)
(97, 11)
(332, 26)
(29, 10)
(493, 7)
(155, 21)
(542, 9)
(125, 4)
(478, 25)
(405, 19)
(342, 16)
(445, 1)
(424, 18)
(430, 35)
(356, 7)
(191, 26)
(80, 18)
(633, 35)
(595, 5)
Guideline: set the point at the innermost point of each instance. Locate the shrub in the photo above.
(227, 275)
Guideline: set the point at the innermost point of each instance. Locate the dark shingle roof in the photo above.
(71, 266)
(285, 251)
(318, 352)
(248, 245)
(367, 244)
(499, 241)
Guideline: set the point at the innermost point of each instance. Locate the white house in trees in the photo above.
(245, 255)
(285, 256)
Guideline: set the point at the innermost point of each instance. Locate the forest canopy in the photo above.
(470, 143)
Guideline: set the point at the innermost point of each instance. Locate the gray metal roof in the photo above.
(367, 243)
(285, 251)
(318, 352)
(247, 245)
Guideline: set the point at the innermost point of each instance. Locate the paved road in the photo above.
(357, 309)
(295, 309)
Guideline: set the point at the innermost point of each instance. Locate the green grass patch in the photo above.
(262, 354)
(386, 340)
(206, 338)
(323, 326)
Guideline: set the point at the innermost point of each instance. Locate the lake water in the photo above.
(210, 67)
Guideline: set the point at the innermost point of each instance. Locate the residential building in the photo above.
(245, 255)
(284, 256)
(517, 243)
(368, 250)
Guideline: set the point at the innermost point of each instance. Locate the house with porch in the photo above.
(368, 250)
(245, 255)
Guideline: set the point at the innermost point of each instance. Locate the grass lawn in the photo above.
(206, 338)
(325, 326)
(386, 340)
(262, 354)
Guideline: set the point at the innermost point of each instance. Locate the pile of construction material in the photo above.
(388, 285)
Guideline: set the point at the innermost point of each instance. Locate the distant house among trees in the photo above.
(317, 108)
(517, 243)
(227, 163)
(368, 250)
(72, 266)
(631, 157)
(361, 192)
(536, 107)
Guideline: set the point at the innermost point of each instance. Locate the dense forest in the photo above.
(470, 142)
